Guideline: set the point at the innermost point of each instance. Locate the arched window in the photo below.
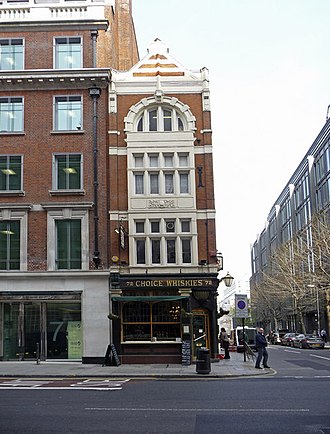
(160, 119)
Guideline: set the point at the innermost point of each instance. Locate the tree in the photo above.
(296, 270)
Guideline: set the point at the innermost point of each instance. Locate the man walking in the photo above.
(261, 344)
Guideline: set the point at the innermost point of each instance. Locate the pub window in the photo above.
(140, 251)
(160, 119)
(151, 321)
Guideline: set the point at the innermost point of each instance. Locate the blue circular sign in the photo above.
(241, 304)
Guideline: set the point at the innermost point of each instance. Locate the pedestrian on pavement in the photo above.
(261, 344)
(324, 335)
(224, 342)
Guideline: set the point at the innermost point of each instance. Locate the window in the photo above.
(139, 183)
(160, 119)
(168, 160)
(163, 241)
(9, 245)
(153, 160)
(140, 252)
(138, 160)
(185, 225)
(68, 113)
(10, 172)
(183, 160)
(167, 120)
(169, 183)
(154, 227)
(155, 251)
(68, 243)
(186, 251)
(154, 183)
(139, 227)
(159, 174)
(146, 321)
(11, 114)
(68, 53)
(153, 120)
(171, 254)
(68, 172)
(11, 54)
(184, 183)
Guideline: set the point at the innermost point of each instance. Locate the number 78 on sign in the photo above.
(241, 306)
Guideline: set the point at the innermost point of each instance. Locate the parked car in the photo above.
(275, 339)
(308, 341)
(288, 338)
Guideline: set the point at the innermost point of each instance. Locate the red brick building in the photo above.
(107, 215)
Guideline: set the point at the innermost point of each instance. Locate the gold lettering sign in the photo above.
(175, 283)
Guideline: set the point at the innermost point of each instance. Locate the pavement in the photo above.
(234, 367)
(231, 368)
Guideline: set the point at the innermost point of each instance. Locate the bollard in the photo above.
(38, 354)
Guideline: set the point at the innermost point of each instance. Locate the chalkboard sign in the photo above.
(186, 353)
(111, 349)
(115, 355)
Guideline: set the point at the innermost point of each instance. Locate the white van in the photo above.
(236, 337)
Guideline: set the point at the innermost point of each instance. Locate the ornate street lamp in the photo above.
(228, 279)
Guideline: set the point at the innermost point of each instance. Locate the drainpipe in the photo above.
(95, 92)
(94, 35)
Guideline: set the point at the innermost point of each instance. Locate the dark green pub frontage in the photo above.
(153, 318)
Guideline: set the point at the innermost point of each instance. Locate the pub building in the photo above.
(165, 265)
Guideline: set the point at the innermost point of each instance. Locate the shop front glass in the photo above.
(53, 327)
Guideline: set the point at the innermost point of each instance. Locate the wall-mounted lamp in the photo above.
(228, 279)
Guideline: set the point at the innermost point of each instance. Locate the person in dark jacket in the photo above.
(261, 344)
(224, 342)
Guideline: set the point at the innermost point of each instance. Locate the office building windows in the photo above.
(68, 172)
(67, 113)
(11, 114)
(9, 245)
(68, 52)
(10, 173)
(68, 244)
(11, 54)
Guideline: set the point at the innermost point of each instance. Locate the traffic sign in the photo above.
(241, 306)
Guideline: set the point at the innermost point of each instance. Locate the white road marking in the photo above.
(206, 410)
(320, 357)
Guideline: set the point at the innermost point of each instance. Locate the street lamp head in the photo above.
(228, 279)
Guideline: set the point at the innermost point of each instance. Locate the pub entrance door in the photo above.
(201, 330)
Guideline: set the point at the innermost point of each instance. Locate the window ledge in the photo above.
(67, 132)
(12, 193)
(12, 133)
(67, 192)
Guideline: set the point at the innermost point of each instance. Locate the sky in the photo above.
(269, 65)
